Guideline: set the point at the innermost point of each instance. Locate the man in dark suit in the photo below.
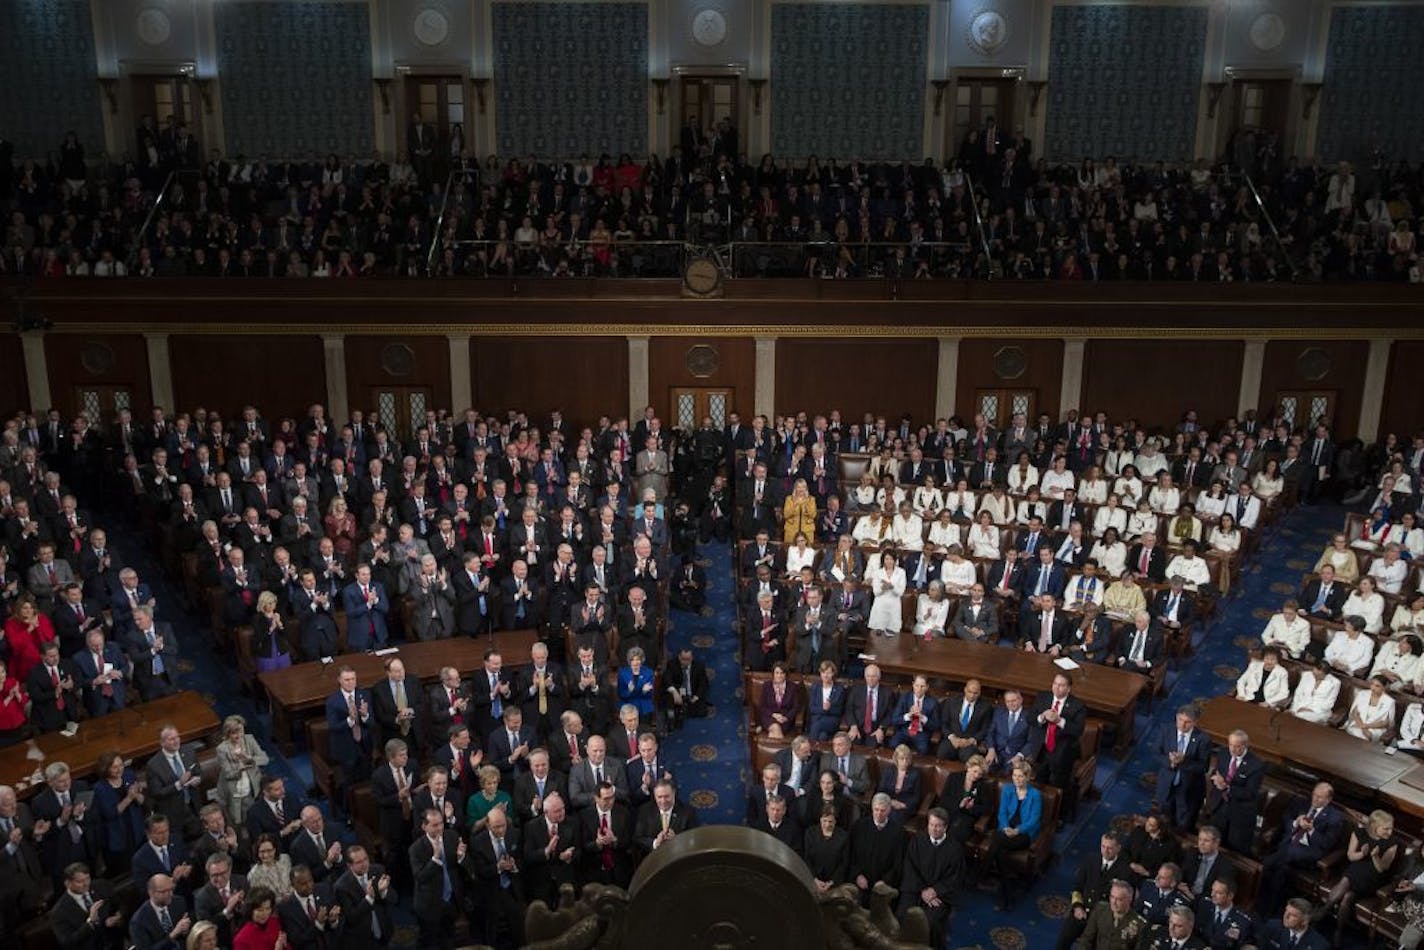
(1324, 597)
(777, 821)
(1174, 609)
(73, 616)
(849, 608)
(311, 608)
(686, 684)
(173, 777)
(507, 747)
(491, 690)
(877, 848)
(220, 900)
(1234, 784)
(393, 785)
(316, 848)
(494, 860)
(934, 866)
(366, 606)
(1181, 780)
(394, 705)
(965, 719)
(1147, 560)
(519, 600)
(365, 896)
(1292, 931)
(435, 859)
(606, 833)
(162, 921)
(85, 915)
(870, 706)
(474, 611)
(1205, 865)
(163, 853)
(550, 851)
(1319, 455)
(1056, 725)
(1091, 882)
(350, 739)
(534, 787)
(1311, 830)
(1043, 576)
(54, 696)
(1220, 923)
(541, 692)
(661, 818)
(977, 618)
(153, 650)
(308, 915)
(102, 673)
(771, 787)
(1141, 648)
(1045, 628)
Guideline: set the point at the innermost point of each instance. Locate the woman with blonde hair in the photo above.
(270, 647)
(240, 763)
(798, 513)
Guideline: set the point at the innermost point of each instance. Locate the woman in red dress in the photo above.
(26, 632)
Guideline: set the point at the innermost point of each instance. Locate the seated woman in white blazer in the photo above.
(1265, 681)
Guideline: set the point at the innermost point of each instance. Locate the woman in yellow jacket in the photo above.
(798, 514)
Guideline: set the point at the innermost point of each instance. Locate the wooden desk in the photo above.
(1356, 765)
(1109, 692)
(133, 732)
(304, 687)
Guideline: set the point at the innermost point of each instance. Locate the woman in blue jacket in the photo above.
(635, 684)
(1020, 818)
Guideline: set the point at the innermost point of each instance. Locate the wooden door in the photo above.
(1261, 106)
(163, 96)
(690, 405)
(975, 102)
(440, 101)
(1304, 408)
(709, 100)
(401, 409)
(999, 405)
(100, 404)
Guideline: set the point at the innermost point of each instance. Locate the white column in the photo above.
(637, 376)
(1376, 369)
(462, 393)
(1071, 393)
(160, 371)
(1252, 360)
(337, 403)
(947, 377)
(36, 371)
(765, 398)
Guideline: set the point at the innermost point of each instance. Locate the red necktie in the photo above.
(1146, 557)
(58, 693)
(1051, 739)
(607, 858)
(869, 711)
(573, 747)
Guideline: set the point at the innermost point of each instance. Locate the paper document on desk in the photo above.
(1063, 663)
(867, 657)
(387, 651)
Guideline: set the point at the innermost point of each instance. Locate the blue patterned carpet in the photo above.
(709, 756)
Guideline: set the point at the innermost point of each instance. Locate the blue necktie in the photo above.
(964, 716)
(157, 657)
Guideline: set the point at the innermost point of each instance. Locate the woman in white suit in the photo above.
(1315, 694)
(240, 763)
(887, 583)
(932, 612)
(1265, 681)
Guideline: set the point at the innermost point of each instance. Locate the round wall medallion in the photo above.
(397, 359)
(1267, 32)
(702, 360)
(1314, 364)
(987, 32)
(709, 27)
(1010, 362)
(431, 27)
(153, 27)
(96, 358)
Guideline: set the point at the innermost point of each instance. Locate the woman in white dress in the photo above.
(1398, 661)
(960, 502)
(932, 612)
(998, 505)
(1022, 476)
(862, 498)
(1118, 457)
(1315, 694)
(1128, 486)
(1191, 568)
(1409, 536)
(1110, 553)
(1150, 461)
(1366, 603)
(1164, 496)
(943, 533)
(871, 530)
(1350, 651)
(1092, 487)
(887, 583)
(884, 464)
(799, 555)
(1110, 515)
(1402, 482)
(984, 538)
(1372, 713)
(1221, 548)
(1389, 572)
(1142, 521)
(1268, 482)
(1409, 616)
(1212, 502)
(1058, 480)
(889, 494)
(927, 500)
(957, 573)
(1032, 505)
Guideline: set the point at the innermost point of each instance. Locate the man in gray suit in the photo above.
(650, 467)
(434, 602)
(47, 576)
(850, 766)
(584, 777)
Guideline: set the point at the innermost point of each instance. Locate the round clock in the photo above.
(709, 27)
(431, 27)
(1268, 31)
(154, 27)
(701, 277)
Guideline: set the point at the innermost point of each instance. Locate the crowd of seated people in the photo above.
(352, 216)
(310, 539)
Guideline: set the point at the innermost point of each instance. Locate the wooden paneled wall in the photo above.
(99, 362)
(668, 369)
(1288, 361)
(886, 377)
(1042, 362)
(14, 383)
(585, 377)
(282, 376)
(1403, 411)
(1154, 381)
(373, 362)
